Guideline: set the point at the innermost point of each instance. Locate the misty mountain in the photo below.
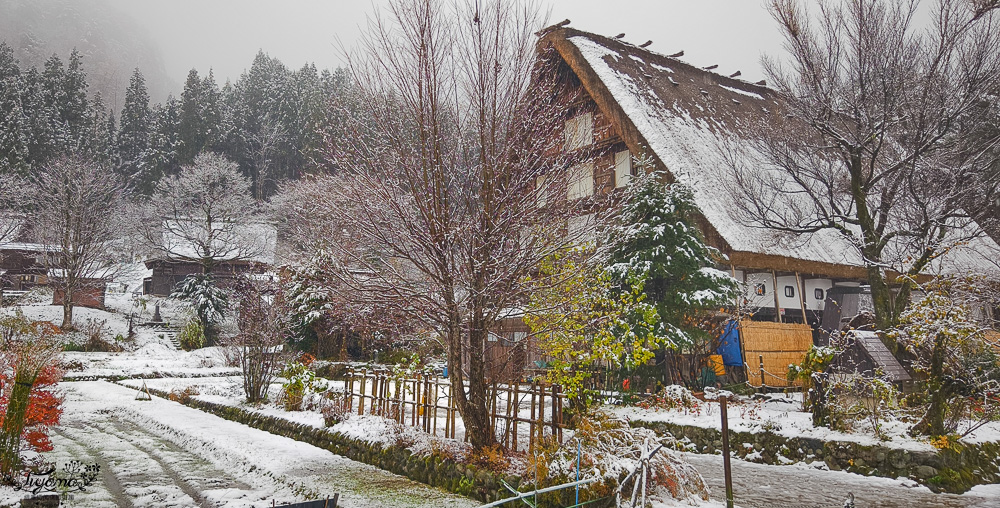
(109, 41)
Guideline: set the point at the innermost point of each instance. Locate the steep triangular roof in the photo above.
(691, 122)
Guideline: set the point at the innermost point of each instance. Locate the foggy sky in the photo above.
(224, 35)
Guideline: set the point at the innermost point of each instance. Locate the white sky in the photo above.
(225, 34)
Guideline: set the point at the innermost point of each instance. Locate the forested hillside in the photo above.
(273, 121)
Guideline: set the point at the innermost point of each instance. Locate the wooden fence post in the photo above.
(414, 413)
(447, 415)
(454, 409)
(531, 425)
(542, 410)
(762, 389)
(434, 417)
(361, 399)
(555, 412)
(349, 390)
(725, 451)
(427, 404)
(517, 406)
(506, 425)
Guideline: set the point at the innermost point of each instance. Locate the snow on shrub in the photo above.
(611, 449)
(335, 408)
(375, 429)
(672, 397)
(301, 382)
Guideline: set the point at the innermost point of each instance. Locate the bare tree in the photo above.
(205, 215)
(75, 211)
(263, 143)
(876, 146)
(443, 186)
(306, 212)
(263, 330)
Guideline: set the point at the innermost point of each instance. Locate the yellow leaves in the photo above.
(947, 443)
(585, 322)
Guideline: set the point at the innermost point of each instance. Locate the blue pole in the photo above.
(578, 450)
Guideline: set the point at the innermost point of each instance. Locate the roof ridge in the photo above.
(561, 29)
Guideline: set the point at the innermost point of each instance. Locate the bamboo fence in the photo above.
(428, 402)
(769, 348)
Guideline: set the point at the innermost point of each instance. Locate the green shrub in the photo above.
(300, 381)
(192, 336)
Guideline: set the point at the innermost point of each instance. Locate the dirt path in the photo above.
(765, 486)
(162, 454)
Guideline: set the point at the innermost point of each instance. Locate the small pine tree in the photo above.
(209, 301)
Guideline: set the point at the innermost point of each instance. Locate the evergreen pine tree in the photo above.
(211, 113)
(75, 111)
(164, 147)
(191, 130)
(657, 242)
(135, 125)
(14, 157)
(50, 135)
(99, 142)
(260, 118)
(306, 118)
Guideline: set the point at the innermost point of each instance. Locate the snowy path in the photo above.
(160, 453)
(759, 485)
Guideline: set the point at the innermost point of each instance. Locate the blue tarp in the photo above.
(729, 346)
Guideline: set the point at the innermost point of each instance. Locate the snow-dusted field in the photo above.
(160, 453)
(150, 360)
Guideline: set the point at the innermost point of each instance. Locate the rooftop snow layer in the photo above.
(697, 129)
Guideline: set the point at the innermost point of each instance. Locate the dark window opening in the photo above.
(760, 289)
(789, 291)
(818, 293)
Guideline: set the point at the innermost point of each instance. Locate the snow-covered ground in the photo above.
(783, 415)
(151, 360)
(160, 453)
(150, 354)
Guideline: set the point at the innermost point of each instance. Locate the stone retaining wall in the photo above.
(949, 470)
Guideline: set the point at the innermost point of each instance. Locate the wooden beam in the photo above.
(802, 297)
(777, 304)
(732, 267)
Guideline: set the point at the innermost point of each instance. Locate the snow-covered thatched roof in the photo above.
(692, 122)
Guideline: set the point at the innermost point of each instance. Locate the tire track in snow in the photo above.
(111, 483)
(142, 479)
(172, 473)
